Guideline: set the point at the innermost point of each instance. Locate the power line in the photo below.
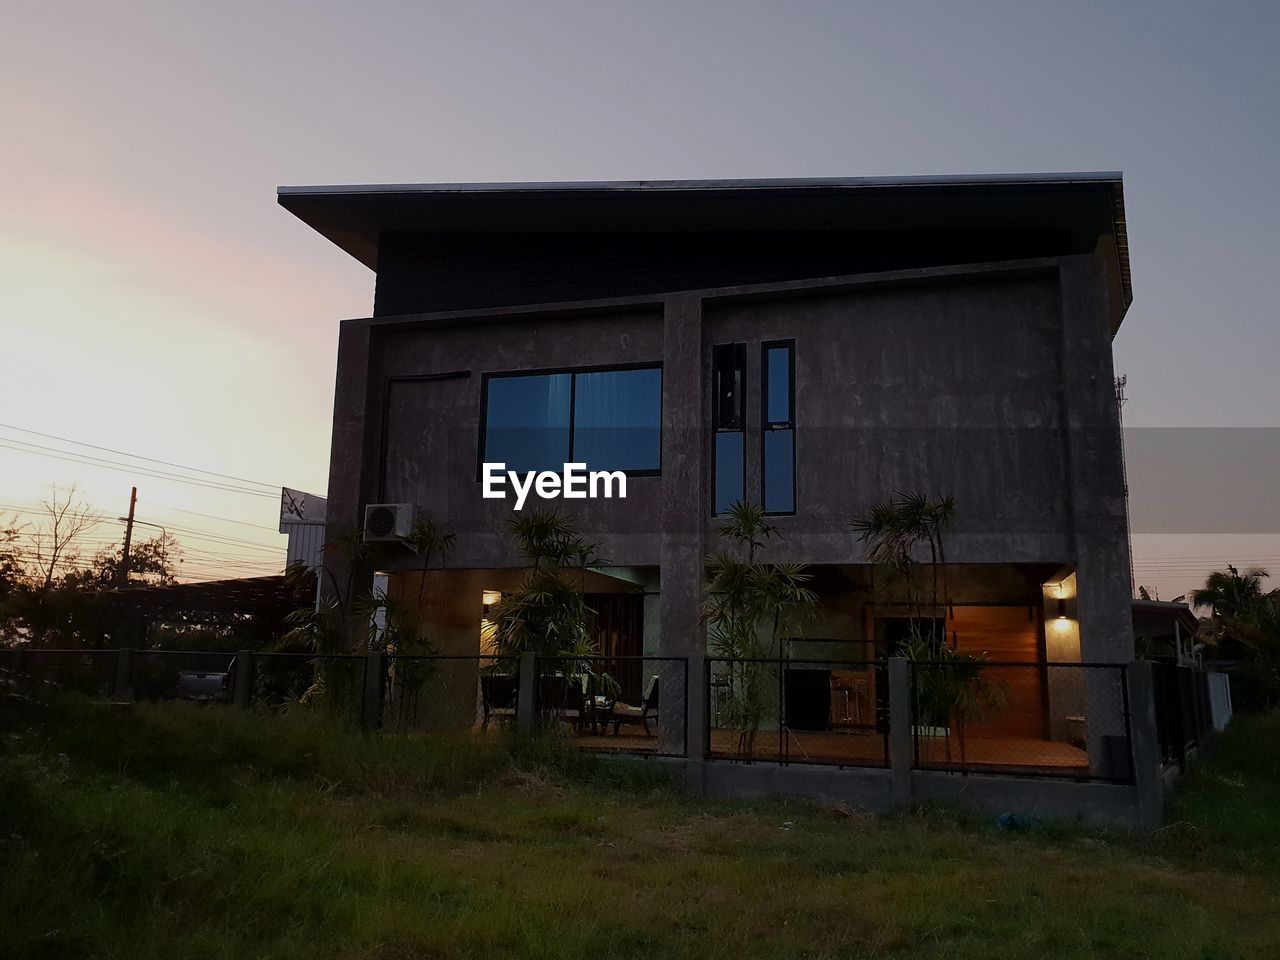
(71, 456)
(135, 456)
(210, 516)
(191, 532)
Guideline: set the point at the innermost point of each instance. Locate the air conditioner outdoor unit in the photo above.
(387, 521)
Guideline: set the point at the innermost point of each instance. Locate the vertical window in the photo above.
(777, 364)
(728, 387)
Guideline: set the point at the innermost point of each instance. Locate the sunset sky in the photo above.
(155, 301)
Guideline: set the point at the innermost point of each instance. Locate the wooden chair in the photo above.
(643, 713)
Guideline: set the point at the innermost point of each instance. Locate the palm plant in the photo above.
(547, 615)
(749, 607)
(894, 531)
(1231, 595)
(950, 687)
(343, 619)
(1242, 610)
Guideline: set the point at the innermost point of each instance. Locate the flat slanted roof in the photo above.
(1088, 206)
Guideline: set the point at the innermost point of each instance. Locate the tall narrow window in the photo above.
(728, 387)
(778, 366)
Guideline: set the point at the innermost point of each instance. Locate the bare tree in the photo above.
(66, 519)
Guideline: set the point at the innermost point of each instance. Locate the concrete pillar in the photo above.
(526, 695)
(353, 468)
(1099, 518)
(375, 676)
(244, 679)
(1145, 746)
(124, 675)
(900, 752)
(685, 512)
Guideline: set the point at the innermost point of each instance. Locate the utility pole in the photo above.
(122, 572)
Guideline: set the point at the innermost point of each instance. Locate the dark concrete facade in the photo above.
(990, 381)
(970, 380)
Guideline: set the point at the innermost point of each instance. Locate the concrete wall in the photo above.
(991, 383)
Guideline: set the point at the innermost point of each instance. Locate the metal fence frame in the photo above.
(683, 710)
(1033, 771)
(387, 662)
(783, 758)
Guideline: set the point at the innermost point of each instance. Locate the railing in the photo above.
(335, 683)
(1183, 713)
(829, 712)
(449, 692)
(91, 672)
(1067, 720)
(618, 704)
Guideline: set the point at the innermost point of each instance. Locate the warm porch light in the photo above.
(489, 598)
(1062, 608)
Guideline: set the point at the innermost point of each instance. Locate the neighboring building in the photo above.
(302, 520)
(813, 346)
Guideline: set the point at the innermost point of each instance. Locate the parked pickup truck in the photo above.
(205, 685)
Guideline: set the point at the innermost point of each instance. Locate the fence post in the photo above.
(900, 727)
(1148, 778)
(244, 678)
(124, 674)
(15, 663)
(375, 676)
(526, 709)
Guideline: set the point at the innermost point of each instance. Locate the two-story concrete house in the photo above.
(812, 346)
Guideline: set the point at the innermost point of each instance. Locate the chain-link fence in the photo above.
(618, 704)
(443, 692)
(833, 712)
(90, 672)
(333, 683)
(1067, 720)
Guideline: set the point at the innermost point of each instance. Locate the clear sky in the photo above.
(155, 300)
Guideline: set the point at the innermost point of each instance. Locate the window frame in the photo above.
(768, 426)
(739, 349)
(573, 396)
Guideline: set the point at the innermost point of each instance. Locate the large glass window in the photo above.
(728, 386)
(527, 421)
(617, 419)
(777, 363)
(607, 419)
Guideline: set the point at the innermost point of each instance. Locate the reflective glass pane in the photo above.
(779, 471)
(527, 422)
(778, 375)
(728, 470)
(617, 420)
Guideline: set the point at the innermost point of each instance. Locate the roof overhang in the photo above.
(1165, 611)
(1089, 206)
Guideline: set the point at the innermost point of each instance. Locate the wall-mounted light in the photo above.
(489, 598)
(1062, 608)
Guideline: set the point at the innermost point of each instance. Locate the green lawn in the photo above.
(174, 832)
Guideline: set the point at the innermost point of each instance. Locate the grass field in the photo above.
(172, 832)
